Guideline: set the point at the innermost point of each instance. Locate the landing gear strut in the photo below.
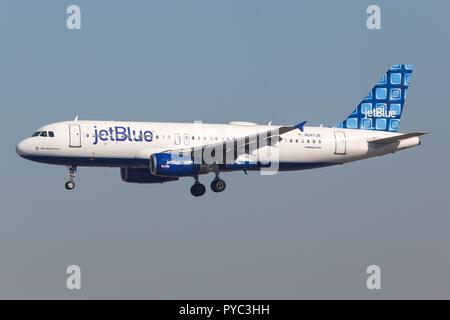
(70, 185)
(197, 189)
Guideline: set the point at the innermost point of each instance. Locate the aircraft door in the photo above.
(74, 136)
(340, 143)
(177, 138)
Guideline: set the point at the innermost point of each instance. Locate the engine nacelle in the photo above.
(142, 175)
(175, 165)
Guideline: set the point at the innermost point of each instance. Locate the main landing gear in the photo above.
(218, 185)
(198, 189)
(70, 185)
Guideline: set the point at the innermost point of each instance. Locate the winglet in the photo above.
(300, 125)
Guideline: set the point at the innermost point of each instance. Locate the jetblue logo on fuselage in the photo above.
(380, 113)
(121, 134)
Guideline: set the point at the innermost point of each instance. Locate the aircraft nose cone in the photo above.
(21, 148)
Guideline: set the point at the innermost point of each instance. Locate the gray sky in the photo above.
(295, 235)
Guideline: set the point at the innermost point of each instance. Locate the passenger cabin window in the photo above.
(186, 139)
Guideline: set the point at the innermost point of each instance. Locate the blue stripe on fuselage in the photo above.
(130, 162)
(282, 166)
(90, 162)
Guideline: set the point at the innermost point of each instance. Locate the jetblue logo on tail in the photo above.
(379, 113)
(382, 108)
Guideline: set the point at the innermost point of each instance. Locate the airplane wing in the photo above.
(397, 138)
(242, 145)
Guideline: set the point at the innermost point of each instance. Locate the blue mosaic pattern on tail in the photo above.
(382, 108)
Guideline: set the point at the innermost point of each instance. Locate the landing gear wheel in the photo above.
(70, 185)
(198, 189)
(218, 185)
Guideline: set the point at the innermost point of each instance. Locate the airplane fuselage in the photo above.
(130, 144)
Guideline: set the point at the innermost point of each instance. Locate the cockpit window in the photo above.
(50, 134)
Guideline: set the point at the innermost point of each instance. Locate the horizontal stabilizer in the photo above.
(397, 138)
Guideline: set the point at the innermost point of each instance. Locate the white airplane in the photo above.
(154, 152)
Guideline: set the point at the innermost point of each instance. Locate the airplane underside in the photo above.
(144, 163)
(138, 170)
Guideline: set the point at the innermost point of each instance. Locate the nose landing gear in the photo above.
(70, 185)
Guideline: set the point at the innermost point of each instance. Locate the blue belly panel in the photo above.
(131, 162)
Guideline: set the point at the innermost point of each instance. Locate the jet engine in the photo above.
(175, 165)
(142, 175)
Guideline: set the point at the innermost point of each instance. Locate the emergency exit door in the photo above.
(74, 136)
(340, 143)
